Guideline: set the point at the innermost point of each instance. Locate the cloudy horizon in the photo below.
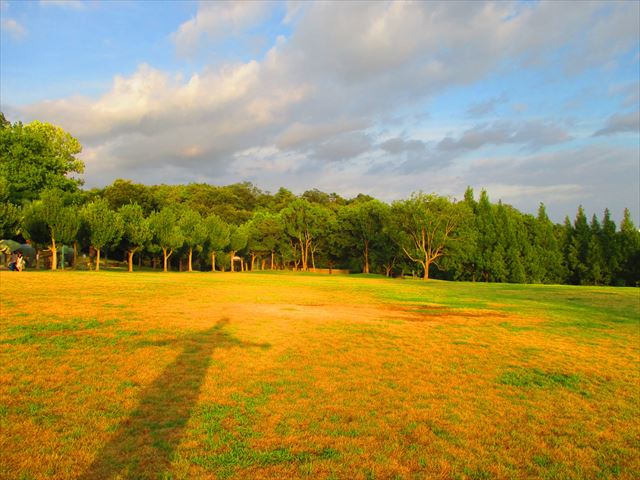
(531, 101)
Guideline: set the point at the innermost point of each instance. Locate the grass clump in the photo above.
(537, 378)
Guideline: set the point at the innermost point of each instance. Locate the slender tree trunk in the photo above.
(54, 255)
(426, 270)
(37, 259)
(366, 258)
(313, 259)
(272, 255)
(130, 259)
(232, 254)
(166, 257)
(213, 261)
(263, 264)
(75, 253)
(97, 259)
(190, 258)
(253, 259)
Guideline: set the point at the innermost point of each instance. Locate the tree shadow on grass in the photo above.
(143, 444)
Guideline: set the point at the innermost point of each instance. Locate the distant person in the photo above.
(18, 264)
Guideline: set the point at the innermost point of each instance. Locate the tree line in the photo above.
(239, 226)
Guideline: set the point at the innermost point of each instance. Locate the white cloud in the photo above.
(215, 20)
(14, 29)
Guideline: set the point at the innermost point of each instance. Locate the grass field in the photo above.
(181, 376)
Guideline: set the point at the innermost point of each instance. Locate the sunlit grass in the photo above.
(151, 375)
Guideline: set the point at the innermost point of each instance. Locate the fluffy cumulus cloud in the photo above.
(216, 20)
(311, 112)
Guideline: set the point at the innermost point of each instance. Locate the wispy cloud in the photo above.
(14, 29)
(72, 4)
(486, 107)
(621, 123)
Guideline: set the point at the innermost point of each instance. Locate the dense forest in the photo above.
(240, 227)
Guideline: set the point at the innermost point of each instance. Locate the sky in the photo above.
(531, 101)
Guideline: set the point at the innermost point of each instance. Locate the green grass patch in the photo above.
(536, 378)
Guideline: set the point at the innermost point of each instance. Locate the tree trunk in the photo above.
(75, 253)
(130, 259)
(190, 258)
(54, 255)
(213, 261)
(253, 259)
(232, 254)
(272, 255)
(313, 259)
(263, 263)
(366, 258)
(165, 257)
(426, 270)
(97, 259)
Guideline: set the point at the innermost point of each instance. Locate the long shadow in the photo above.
(144, 443)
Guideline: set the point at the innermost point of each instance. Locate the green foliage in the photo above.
(166, 232)
(36, 157)
(105, 226)
(192, 227)
(124, 192)
(361, 227)
(264, 231)
(10, 220)
(426, 227)
(238, 238)
(217, 233)
(136, 229)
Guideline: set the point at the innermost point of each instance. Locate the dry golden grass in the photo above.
(184, 376)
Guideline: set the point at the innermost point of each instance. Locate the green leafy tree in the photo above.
(10, 220)
(136, 229)
(238, 238)
(361, 225)
(105, 226)
(124, 192)
(217, 236)
(50, 221)
(426, 226)
(193, 231)
(36, 157)
(303, 222)
(264, 231)
(166, 232)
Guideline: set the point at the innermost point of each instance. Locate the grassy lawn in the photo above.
(181, 376)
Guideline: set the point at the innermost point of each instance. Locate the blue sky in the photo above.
(533, 101)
